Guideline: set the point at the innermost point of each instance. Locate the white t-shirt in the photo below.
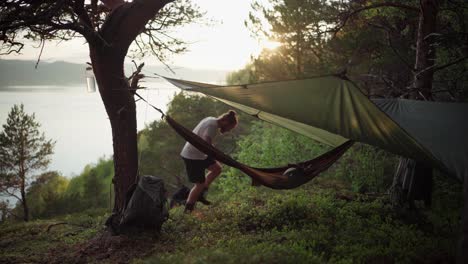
(207, 128)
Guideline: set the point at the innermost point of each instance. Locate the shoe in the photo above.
(189, 208)
(203, 199)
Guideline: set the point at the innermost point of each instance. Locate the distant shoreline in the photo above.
(23, 73)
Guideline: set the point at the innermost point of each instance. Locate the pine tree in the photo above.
(23, 151)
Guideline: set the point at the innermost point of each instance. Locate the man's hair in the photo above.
(230, 116)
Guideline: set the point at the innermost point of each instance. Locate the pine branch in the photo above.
(346, 16)
(10, 193)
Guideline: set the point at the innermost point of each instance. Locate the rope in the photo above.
(140, 152)
(162, 116)
(154, 107)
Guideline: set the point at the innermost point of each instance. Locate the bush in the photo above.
(366, 168)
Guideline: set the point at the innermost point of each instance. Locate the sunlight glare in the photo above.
(269, 44)
(264, 45)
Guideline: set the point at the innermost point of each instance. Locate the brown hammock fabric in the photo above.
(269, 177)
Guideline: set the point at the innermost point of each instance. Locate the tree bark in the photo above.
(108, 65)
(22, 176)
(421, 87)
(24, 203)
(299, 67)
(119, 31)
(425, 51)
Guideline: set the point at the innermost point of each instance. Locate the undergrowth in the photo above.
(322, 222)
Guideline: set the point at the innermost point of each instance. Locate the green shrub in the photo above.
(366, 168)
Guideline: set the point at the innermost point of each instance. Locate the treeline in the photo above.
(373, 42)
(52, 194)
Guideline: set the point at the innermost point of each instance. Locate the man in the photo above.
(196, 162)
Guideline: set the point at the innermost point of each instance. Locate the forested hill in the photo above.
(23, 72)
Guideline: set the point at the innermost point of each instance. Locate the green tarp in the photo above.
(440, 127)
(332, 110)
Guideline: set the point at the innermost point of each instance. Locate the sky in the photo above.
(224, 45)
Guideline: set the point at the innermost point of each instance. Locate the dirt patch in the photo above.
(106, 248)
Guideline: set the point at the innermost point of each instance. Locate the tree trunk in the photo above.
(119, 30)
(24, 203)
(22, 175)
(299, 68)
(462, 252)
(422, 85)
(108, 66)
(424, 63)
(425, 51)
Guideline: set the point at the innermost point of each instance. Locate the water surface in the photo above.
(77, 120)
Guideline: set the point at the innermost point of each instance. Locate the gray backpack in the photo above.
(147, 207)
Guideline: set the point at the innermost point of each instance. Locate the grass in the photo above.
(42, 241)
(308, 225)
(323, 222)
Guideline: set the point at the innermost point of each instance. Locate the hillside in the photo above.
(323, 222)
(22, 73)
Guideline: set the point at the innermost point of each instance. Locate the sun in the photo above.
(269, 44)
(264, 45)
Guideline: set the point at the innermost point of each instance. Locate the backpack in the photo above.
(147, 206)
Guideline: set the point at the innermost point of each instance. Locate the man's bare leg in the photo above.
(198, 188)
(193, 196)
(214, 171)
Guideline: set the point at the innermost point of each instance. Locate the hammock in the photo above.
(269, 177)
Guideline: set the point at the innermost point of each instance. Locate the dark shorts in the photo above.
(196, 169)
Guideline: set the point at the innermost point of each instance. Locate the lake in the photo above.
(77, 120)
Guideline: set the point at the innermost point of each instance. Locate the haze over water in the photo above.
(77, 120)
